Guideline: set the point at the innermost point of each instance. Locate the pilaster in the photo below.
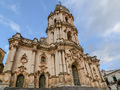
(52, 65)
(61, 63)
(57, 63)
(64, 62)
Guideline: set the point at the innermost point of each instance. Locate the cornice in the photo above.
(56, 12)
(60, 24)
(31, 43)
(2, 51)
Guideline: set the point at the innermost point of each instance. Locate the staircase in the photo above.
(60, 88)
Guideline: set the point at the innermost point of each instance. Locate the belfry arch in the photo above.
(75, 75)
(69, 36)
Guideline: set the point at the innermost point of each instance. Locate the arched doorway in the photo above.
(20, 81)
(75, 75)
(42, 81)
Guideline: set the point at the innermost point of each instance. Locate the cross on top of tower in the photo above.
(60, 2)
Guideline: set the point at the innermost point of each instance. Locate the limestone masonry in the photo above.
(2, 53)
(55, 61)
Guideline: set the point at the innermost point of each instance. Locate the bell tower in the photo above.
(61, 26)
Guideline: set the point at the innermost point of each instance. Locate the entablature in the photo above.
(20, 41)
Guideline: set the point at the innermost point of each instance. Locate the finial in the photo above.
(60, 2)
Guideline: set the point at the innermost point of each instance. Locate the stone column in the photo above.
(76, 38)
(10, 63)
(64, 63)
(73, 37)
(92, 77)
(67, 65)
(83, 71)
(101, 82)
(57, 63)
(100, 73)
(55, 34)
(60, 60)
(36, 62)
(10, 58)
(52, 65)
(47, 80)
(61, 35)
(49, 37)
(33, 61)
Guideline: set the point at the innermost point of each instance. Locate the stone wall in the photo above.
(62, 88)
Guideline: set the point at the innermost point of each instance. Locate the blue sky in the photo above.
(98, 24)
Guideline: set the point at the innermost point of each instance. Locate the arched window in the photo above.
(54, 21)
(66, 19)
(94, 69)
(75, 75)
(20, 81)
(69, 36)
(115, 79)
(106, 80)
(42, 81)
(43, 60)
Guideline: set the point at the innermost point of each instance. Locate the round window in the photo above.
(23, 60)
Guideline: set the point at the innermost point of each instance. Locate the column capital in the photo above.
(14, 45)
(34, 48)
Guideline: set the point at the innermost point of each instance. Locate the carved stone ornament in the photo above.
(24, 59)
(22, 68)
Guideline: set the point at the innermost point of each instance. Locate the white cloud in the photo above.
(8, 5)
(98, 19)
(14, 8)
(95, 16)
(14, 26)
(108, 53)
(115, 30)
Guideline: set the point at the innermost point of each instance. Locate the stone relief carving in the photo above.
(22, 69)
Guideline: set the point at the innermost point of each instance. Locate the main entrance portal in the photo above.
(75, 75)
(42, 81)
(20, 81)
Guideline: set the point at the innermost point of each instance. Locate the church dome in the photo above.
(61, 8)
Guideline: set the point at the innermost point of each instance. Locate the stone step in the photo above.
(60, 88)
(2, 88)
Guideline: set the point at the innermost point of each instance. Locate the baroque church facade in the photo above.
(55, 61)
